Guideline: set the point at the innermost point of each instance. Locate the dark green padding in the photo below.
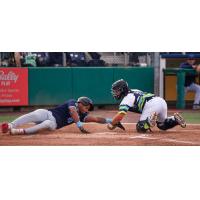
(49, 86)
(54, 85)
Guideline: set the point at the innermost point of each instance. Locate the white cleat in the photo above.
(152, 119)
(14, 131)
(180, 120)
(196, 107)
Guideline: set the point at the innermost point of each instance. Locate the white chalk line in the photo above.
(129, 123)
(164, 139)
(183, 130)
(180, 141)
(105, 133)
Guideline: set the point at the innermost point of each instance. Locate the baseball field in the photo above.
(100, 135)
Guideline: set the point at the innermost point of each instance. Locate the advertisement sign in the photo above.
(13, 86)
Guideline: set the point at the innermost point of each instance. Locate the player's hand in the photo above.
(83, 130)
(80, 126)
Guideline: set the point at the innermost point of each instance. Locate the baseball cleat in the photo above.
(180, 120)
(152, 119)
(196, 107)
(4, 127)
(19, 131)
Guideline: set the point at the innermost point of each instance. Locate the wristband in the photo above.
(79, 124)
(108, 120)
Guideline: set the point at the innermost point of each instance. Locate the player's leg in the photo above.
(171, 122)
(49, 123)
(151, 112)
(45, 125)
(159, 106)
(196, 88)
(165, 123)
(36, 116)
(168, 123)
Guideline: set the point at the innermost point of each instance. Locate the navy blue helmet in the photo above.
(86, 101)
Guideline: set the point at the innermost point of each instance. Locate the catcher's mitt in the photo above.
(118, 125)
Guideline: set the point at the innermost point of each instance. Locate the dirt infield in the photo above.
(100, 135)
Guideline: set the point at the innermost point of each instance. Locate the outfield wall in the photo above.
(54, 85)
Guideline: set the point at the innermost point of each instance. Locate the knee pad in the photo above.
(142, 126)
(162, 126)
(170, 122)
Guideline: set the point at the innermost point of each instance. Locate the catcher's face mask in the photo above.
(119, 89)
(116, 93)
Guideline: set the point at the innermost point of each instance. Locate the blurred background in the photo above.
(51, 78)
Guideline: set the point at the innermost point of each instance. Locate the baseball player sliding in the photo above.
(70, 112)
(153, 109)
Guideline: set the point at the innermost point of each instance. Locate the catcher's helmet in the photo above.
(86, 101)
(119, 89)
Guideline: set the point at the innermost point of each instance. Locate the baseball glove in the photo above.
(118, 125)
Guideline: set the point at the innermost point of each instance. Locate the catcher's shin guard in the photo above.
(143, 126)
(170, 122)
(146, 125)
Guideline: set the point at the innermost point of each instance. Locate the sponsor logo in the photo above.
(10, 76)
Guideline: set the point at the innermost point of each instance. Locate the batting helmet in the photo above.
(86, 101)
(119, 89)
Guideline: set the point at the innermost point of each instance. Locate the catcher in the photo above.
(63, 115)
(153, 109)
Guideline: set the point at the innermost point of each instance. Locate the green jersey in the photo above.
(135, 101)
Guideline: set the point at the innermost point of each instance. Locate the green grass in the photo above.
(7, 118)
(192, 117)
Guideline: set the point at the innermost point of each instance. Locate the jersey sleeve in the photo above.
(127, 103)
(71, 102)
